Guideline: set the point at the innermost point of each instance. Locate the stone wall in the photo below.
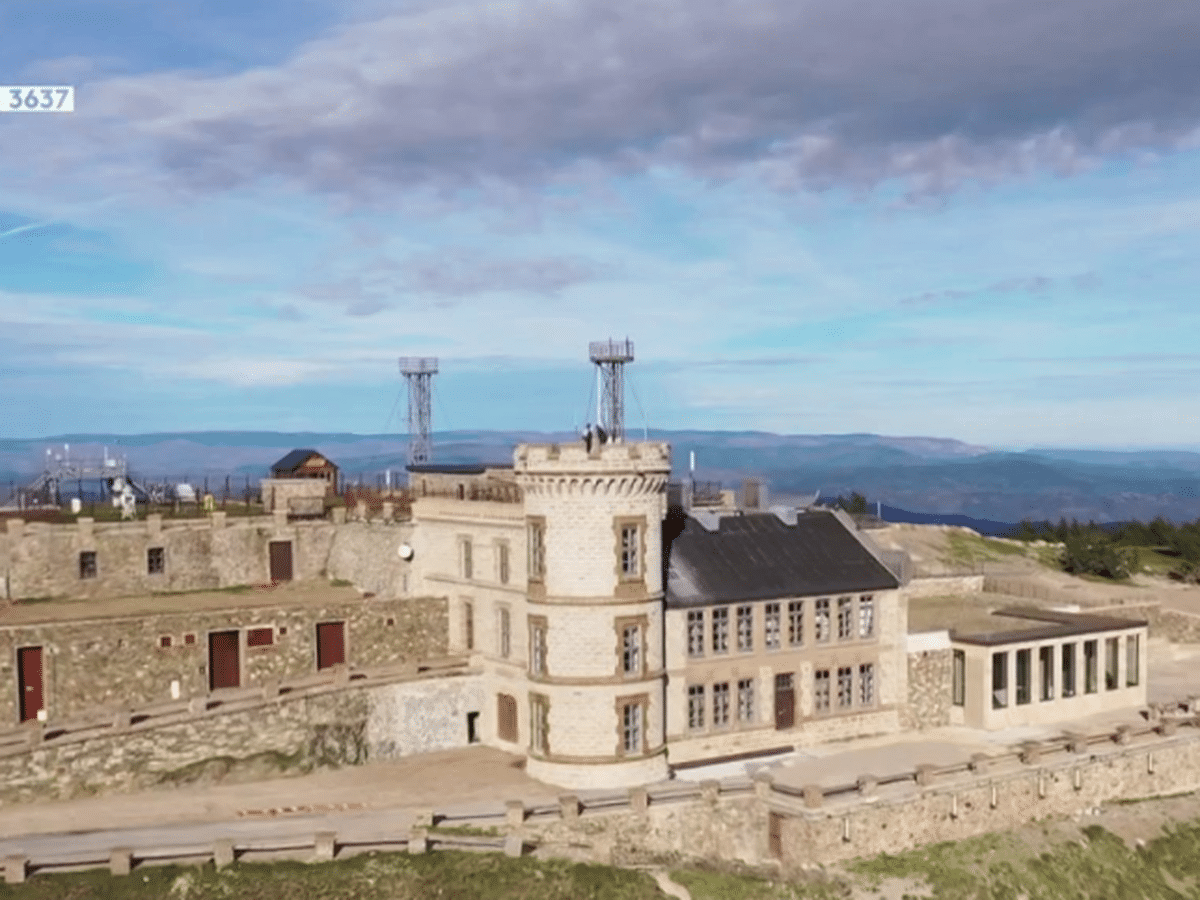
(929, 688)
(934, 586)
(41, 560)
(89, 663)
(422, 716)
(1173, 625)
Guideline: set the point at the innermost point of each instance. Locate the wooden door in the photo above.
(331, 644)
(281, 560)
(506, 717)
(224, 668)
(785, 701)
(29, 681)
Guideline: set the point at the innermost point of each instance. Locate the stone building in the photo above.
(300, 482)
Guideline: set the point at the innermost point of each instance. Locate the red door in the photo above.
(223, 668)
(331, 644)
(29, 679)
(281, 560)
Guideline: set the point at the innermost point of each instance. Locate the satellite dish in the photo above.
(405, 551)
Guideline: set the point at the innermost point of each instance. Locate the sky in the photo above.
(978, 221)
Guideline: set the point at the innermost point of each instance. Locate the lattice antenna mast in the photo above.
(418, 371)
(610, 357)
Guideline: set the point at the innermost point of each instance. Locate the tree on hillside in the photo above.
(1095, 554)
(856, 505)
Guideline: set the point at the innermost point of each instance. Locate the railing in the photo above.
(103, 722)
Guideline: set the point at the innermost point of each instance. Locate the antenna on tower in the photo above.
(418, 371)
(610, 357)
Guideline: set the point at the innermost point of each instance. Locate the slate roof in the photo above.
(759, 557)
(294, 460)
(1013, 625)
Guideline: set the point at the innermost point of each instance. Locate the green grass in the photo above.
(714, 885)
(970, 549)
(341, 582)
(377, 876)
(996, 866)
(1157, 563)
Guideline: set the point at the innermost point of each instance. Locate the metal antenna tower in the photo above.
(610, 357)
(418, 371)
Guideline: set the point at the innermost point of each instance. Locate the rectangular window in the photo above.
(164, 641)
(695, 631)
(1112, 658)
(1024, 676)
(155, 561)
(631, 650)
(999, 680)
(1068, 670)
(631, 566)
(721, 703)
(695, 706)
(505, 633)
(821, 691)
(771, 626)
(845, 609)
(720, 629)
(1089, 667)
(1046, 663)
(537, 646)
(87, 564)
(469, 625)
(260, 637)
(746, 700)
(866, 616)
(539, 723)
(537, 550)
(795, 622)
(866, 684)
(822, 620)
(468, 568)
(1132, 662)
(745, 628)
(959, 676)
(502, 562)
(845, 687)
(632, 727)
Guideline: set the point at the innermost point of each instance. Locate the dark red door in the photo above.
(29, 679)
(281, 560)
(785, 701)
(331, 644)
(223, 668)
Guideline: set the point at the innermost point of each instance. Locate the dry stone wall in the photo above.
(120, 661)
(929, 688)
(422, 717)
(281, 737)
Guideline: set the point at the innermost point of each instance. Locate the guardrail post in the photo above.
(639, 799)
(389, 510)
(120, 861)
(979, 762)
(15, 869)
(423, 818)
(867, 785)
(197, 705)
(1077, 742)
(418, 840)
(37, 733)
(122, 718)
(1122, 735)
(271, 688)
(338, 514)
(1077, 778)
(514, 811)
(513, 845)
(709, 790)
(813, 796)
(763, 781)
(568, 807)
(222, 853)
(341, 675)
(1031, 753)
(325, 845)
(1167, 727)
(925, 773)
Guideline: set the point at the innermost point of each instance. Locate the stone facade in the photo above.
(423, 716)
(929, 682)
(38, 560)
(90, 663)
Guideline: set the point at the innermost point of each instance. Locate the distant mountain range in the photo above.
(940, 477)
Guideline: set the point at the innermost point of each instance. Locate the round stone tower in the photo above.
(596, 678)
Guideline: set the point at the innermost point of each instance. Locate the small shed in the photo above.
(306, 464)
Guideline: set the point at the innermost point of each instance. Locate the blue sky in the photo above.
(810, 216)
